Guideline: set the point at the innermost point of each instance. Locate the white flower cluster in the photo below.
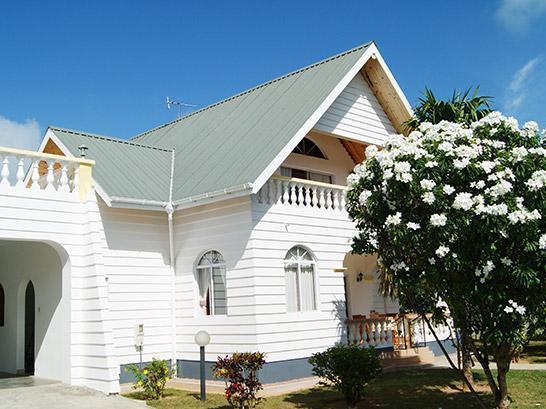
(393, 219)
(542, 242)
(463, 201)
(438, 220)
(537, 180)
(484, 271)
(399, 266)
(513, 306)
(442, 251)
(364, 196)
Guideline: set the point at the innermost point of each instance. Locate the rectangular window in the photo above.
(305, 174)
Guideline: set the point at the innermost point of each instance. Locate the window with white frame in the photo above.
(211, 278)
(300, 273)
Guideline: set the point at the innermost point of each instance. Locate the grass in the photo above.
(534, 353)
(409, 389)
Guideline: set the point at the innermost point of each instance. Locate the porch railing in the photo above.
(302, 193)
(22, 169)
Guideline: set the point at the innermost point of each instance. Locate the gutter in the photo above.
(238, 190)
(169, 208)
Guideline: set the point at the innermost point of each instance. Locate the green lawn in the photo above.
(534, 353)
(415, 389)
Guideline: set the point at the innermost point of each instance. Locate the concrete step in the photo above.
(407, 357)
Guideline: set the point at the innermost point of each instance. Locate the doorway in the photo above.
(29, 328)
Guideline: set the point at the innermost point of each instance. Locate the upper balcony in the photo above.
(303, 194)
(45, 175)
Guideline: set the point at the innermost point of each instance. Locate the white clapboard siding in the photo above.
(225, 227)
(75, 229)
(357, 114)
(289, 335)
(136, 257)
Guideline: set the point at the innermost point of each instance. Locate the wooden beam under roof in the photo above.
(386, 94)
(354, 149)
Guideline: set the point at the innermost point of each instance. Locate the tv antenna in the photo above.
(179, 105)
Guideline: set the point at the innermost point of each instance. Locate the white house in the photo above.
(230, 220)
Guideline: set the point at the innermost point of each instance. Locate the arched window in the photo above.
(211, 278)
(300, 273)
(309, 148)
(2, 305)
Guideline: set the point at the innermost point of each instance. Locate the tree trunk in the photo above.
(501, 398)
(467, 360)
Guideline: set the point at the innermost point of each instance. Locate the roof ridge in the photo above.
(264, 84)
(108, 138)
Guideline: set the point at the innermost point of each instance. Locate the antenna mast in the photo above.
(178, 104)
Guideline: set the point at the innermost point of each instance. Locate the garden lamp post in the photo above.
(202, 338)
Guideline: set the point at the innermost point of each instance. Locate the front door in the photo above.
(29, 329)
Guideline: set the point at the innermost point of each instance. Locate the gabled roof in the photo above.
(231, 146)
(123, 168)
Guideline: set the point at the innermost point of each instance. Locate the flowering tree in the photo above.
(455, 214)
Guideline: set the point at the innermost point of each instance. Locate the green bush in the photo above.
(152, 378)
(347, 369)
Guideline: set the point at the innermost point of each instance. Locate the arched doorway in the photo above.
(30, 302)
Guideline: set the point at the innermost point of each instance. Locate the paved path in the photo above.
(35, 393)
(441, 362)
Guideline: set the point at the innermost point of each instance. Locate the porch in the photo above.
(53, 287)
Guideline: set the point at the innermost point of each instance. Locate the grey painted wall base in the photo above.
(126, 376)
(270, 373)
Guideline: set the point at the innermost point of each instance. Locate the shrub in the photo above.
(240, 373)
(347, 369)
(152, 378)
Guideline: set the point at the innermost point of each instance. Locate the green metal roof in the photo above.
(227, 144)
(123, 168)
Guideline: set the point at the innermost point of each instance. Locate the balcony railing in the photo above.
(302, 193)
(22, 169)
(374, 332)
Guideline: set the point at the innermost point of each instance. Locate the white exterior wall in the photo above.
(225, 227)
(73, 229)
(277, 228)
(136, 262)
(357, 114)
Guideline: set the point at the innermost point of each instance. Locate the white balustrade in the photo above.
(371, 332)
(302, 193)
(39, 171)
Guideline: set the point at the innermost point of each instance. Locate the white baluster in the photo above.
(286, 192)
(342, 200)
(300, 194)
(35, 175)
(76, 180)
(4, 174)
(336, 199)
(270, 192)
(293, 196)
(322, 200)
(328, 198)
(63, 181)
(308, 196)
(50, 178)
(314, 197)
(279, 191)
(20, 172)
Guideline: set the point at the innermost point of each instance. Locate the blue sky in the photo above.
(107, 66)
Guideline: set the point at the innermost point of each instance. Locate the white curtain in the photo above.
(291, 274)
(204, 287)
(307, 278)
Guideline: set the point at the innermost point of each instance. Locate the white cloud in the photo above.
(22, 135)
(519, 15)
(519, 78)
(524, 94)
